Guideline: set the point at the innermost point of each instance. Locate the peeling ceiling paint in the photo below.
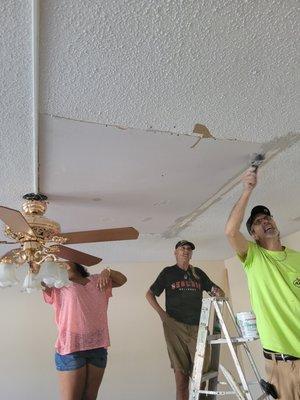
(135, 174)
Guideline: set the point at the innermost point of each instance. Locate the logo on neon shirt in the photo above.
(297, 282)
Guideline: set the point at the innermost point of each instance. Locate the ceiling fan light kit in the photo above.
(53, 274)
(41, 245)
(7, 275)
(31, 283)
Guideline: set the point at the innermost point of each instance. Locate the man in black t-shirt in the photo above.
(184, 286)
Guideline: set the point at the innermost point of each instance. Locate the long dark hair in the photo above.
(81, 270)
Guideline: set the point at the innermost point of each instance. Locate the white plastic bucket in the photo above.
(247, 323)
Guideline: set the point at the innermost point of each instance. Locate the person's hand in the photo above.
(103, 279)
(217, 292)
(249, 179)
(45, 288)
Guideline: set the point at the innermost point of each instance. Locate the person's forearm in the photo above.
(154, 303)
(237, 214)
(118, 279)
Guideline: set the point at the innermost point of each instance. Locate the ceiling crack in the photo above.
(199, 130)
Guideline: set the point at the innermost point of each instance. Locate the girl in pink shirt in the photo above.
(83, 337)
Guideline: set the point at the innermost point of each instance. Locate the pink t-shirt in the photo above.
(80, 315)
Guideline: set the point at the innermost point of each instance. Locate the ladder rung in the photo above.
(236, 340)
(216, 392)
(238, 388)
(213, 337)
(209, 375)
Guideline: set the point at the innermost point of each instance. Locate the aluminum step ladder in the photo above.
(212, 311)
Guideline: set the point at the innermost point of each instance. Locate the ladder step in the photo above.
(235, 340)
(209, 375)
(212, 315)
(213, 337)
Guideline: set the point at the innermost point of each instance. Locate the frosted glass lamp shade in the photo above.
(8, 275)
(53, 275)
(63, 278)
(31, 283)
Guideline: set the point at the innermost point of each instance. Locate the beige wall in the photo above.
(138, 366)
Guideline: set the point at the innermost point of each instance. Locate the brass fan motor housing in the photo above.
(44, 228)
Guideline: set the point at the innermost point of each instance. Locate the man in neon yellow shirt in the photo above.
(273, 273)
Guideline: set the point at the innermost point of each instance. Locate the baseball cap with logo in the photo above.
(185, 242)
(255, 211)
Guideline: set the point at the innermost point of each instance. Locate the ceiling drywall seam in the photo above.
(35, 92)
(270, 149)
(196, 132)
(120, 127)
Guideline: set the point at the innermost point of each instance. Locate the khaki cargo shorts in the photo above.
(181, 342)
(285, 376)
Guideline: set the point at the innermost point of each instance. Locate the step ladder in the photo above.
(212, 312)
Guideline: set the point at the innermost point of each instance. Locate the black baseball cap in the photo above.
(185, 242)
(255, 211)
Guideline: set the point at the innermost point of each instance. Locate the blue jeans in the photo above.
(78, 359)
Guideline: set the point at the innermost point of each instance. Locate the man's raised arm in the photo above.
(232, 230)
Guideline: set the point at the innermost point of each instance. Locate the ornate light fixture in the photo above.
(33, 232)
(41, 245)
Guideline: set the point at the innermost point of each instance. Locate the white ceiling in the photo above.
(122, 84)
(109, 176)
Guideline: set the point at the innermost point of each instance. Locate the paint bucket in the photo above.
(247, 323)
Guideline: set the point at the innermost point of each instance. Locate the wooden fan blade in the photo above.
(101, 235)
(76, 256)
(15, 220)
(9, 254)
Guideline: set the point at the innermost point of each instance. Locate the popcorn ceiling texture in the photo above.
(16, 177)
(166, 64)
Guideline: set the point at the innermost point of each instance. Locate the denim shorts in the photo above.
(78, 359)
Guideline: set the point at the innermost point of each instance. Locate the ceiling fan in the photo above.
(40, 239)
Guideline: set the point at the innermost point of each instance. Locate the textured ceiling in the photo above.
(15, 102)
(154, 68)
(167, 64)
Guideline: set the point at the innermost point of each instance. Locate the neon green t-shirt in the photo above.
(274, 285)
